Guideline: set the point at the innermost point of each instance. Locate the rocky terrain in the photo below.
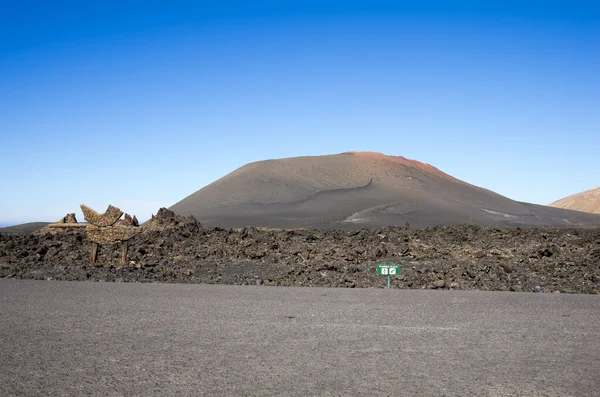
(178, 249)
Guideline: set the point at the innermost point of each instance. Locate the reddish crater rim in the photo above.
(428, 168)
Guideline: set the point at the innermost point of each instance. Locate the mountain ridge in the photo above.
(332, 190)
(586, 201)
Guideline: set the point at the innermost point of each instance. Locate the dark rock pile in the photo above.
(166, 218)
(69, 218)
(177, 249)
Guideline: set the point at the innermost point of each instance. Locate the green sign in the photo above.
(388, 270)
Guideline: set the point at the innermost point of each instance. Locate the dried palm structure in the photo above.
(107, 229)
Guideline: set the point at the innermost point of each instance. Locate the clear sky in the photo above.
(141, 104)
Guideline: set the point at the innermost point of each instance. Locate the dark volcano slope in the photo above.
(357, 190)
(24, 228)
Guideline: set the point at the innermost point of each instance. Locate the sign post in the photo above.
(389, 271)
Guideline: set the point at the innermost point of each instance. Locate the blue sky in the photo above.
(141, 104)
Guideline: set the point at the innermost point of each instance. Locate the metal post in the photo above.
(389, 277)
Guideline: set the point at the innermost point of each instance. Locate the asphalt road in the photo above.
(111, 339)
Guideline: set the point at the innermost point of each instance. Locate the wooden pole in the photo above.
(94, 253)
(123, 252)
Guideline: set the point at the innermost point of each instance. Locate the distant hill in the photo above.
(358, 189)
(24, 228)
(588, 201)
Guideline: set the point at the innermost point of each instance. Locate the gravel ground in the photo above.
(108, 339)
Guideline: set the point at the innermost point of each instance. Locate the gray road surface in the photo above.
(109, 339)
